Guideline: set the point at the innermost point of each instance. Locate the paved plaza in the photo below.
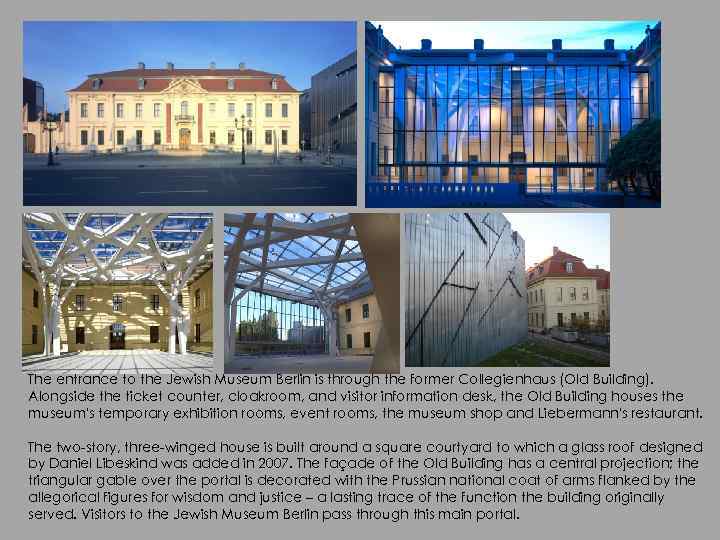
(210, 179)
(130, 362)
(317, 363)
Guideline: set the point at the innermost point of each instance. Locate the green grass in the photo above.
(532, 353)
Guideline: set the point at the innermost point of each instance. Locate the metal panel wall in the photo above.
(466, 297)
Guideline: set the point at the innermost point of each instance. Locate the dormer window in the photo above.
(231, 84)
(96, 84)
(569, 267)
(274, 84)
(141, 84)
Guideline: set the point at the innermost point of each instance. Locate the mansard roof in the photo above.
(157, 80)
(554, 266)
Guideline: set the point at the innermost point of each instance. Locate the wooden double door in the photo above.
(184, 139)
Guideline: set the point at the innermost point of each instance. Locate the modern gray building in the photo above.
(333, 96)
(466, 290)
(305, 120)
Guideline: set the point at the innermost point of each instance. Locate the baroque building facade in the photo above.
(183, 109)
(563, 291)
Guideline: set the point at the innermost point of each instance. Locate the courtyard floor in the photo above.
(316, 363)
(131, 362)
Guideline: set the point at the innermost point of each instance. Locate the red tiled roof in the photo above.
(603, 276)
(554, 266)
(157, 80)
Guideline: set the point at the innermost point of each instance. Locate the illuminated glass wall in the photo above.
(548, 126)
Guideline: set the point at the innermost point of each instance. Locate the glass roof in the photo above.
(106, 238)
(321, 254)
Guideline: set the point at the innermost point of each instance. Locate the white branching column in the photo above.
(230, 299)
(329, 312)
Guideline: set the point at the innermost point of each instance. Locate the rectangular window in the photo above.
(348, 315)
(180, 299)
(211, 109)
(248, 137)
(560, 319)
(231, 110)
(155, 302)
(34, 334)
(197, 298)
(119, 110)
(366, 311)
(197, 332)
(366, 340)
(231, 137)
(284, 110)
(83, 110)
(120, 137)
(101, 137)
(284, 137)
(268, 137)
(79, 302)
(348, 341)
(586, 316)
(156, 136)
(572, 294)
(138, 110)
(212, 136)
(138, 137)
(585, 294)
(36, 298)
(268, 110)
(156, 110)
(154, 334)
(117, 302)
(542, 296)
(100, 110)
(249, 110)
(80, 335)
(83, 137)
(558, 294)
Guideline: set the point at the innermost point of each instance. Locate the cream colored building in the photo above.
(183, 109)
(118, 316)
(562, 291)
(359, 325)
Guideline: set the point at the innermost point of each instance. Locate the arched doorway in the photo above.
(184, 139)
(117, 336)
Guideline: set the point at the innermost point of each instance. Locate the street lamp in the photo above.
(242, 128)
(49, 126)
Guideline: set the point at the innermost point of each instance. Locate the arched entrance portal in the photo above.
(117, 336)
(184, 139)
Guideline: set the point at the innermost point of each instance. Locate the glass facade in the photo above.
(550, 127)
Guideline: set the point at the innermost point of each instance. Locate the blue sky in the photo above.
(61, 54)
(515, 34)
(586, 235)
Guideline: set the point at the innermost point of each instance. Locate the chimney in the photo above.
(555, 250)
(169, 66)
(557, 44)
(241, 65)
(212, 65)
(426, 44)
(597, 267)
(141, 65)
(478, 44)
